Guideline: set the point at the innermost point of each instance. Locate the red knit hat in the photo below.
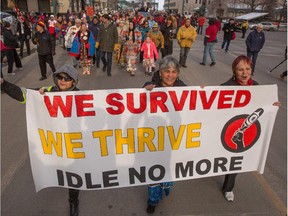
(41, 24)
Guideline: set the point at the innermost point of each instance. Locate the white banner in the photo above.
(119, 138)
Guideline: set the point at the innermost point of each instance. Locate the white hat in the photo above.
(52, 15)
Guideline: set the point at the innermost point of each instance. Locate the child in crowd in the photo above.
(150, 51)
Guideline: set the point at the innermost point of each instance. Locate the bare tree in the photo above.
(253, 4)
(283, 11)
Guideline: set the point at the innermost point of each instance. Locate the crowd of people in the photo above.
(122, 38)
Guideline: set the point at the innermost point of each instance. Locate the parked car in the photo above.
(283, 26)
(269, 26)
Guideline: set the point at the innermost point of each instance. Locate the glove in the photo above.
(116, 47)
(97, 45)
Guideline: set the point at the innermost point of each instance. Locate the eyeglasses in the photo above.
(66, 78)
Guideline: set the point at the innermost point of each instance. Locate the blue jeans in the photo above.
(107, 63)
(254, 56)
(183, 55)
(209, 48)
(227, 45)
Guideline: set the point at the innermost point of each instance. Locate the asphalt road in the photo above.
(255, 194)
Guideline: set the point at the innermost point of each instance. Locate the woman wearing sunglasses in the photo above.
(65, 79)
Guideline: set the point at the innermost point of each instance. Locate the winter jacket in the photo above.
(26, 33)
(255, 41)
(94, 28)
(168, 34)
(157, 38)
(19, 93)
(44, 41)
(186, 36)
(228, 31)
(153, 50)
(107, 37)
(9, 39)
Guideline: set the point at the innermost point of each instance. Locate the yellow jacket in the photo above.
(186, 36)
(244, 25)
(156, 37)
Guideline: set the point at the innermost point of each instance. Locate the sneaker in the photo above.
(185, 66)
(150, 73)
(150, 209)
(11, 74)
(202, 63)
(226, 51)
(213, 63)
(20, 68)
(222, 50)
(229, 196)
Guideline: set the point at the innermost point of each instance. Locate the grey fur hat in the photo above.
(69, 70)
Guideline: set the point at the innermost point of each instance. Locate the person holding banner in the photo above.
(242, 76)
(167, 76)
(65, 79)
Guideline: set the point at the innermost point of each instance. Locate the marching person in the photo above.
(69, 37)
(107, 38)
(52, 30)
(45, 43)
(229, 30)
(156, 36)
(210, 40)
(168, 34)
(65, 79)
(242, 76)
(150, 52)
(167, 76)
(94, 28)
(254, 43)
(83, 48)
(10, 43)
(244, 27)
(186, 36)
(132, 47)
(24, 33)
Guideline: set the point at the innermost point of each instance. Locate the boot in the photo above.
(74, 207)
(150, 209)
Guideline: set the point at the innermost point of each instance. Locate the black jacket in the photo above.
(255, 41)
(19, 94)
(44, 41)
(26, 28)
(168, 35)
(94, 28)
(231, 29)
(10, 40)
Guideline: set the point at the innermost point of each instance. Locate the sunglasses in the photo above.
(66, 78)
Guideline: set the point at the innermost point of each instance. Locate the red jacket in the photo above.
(153, 50)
